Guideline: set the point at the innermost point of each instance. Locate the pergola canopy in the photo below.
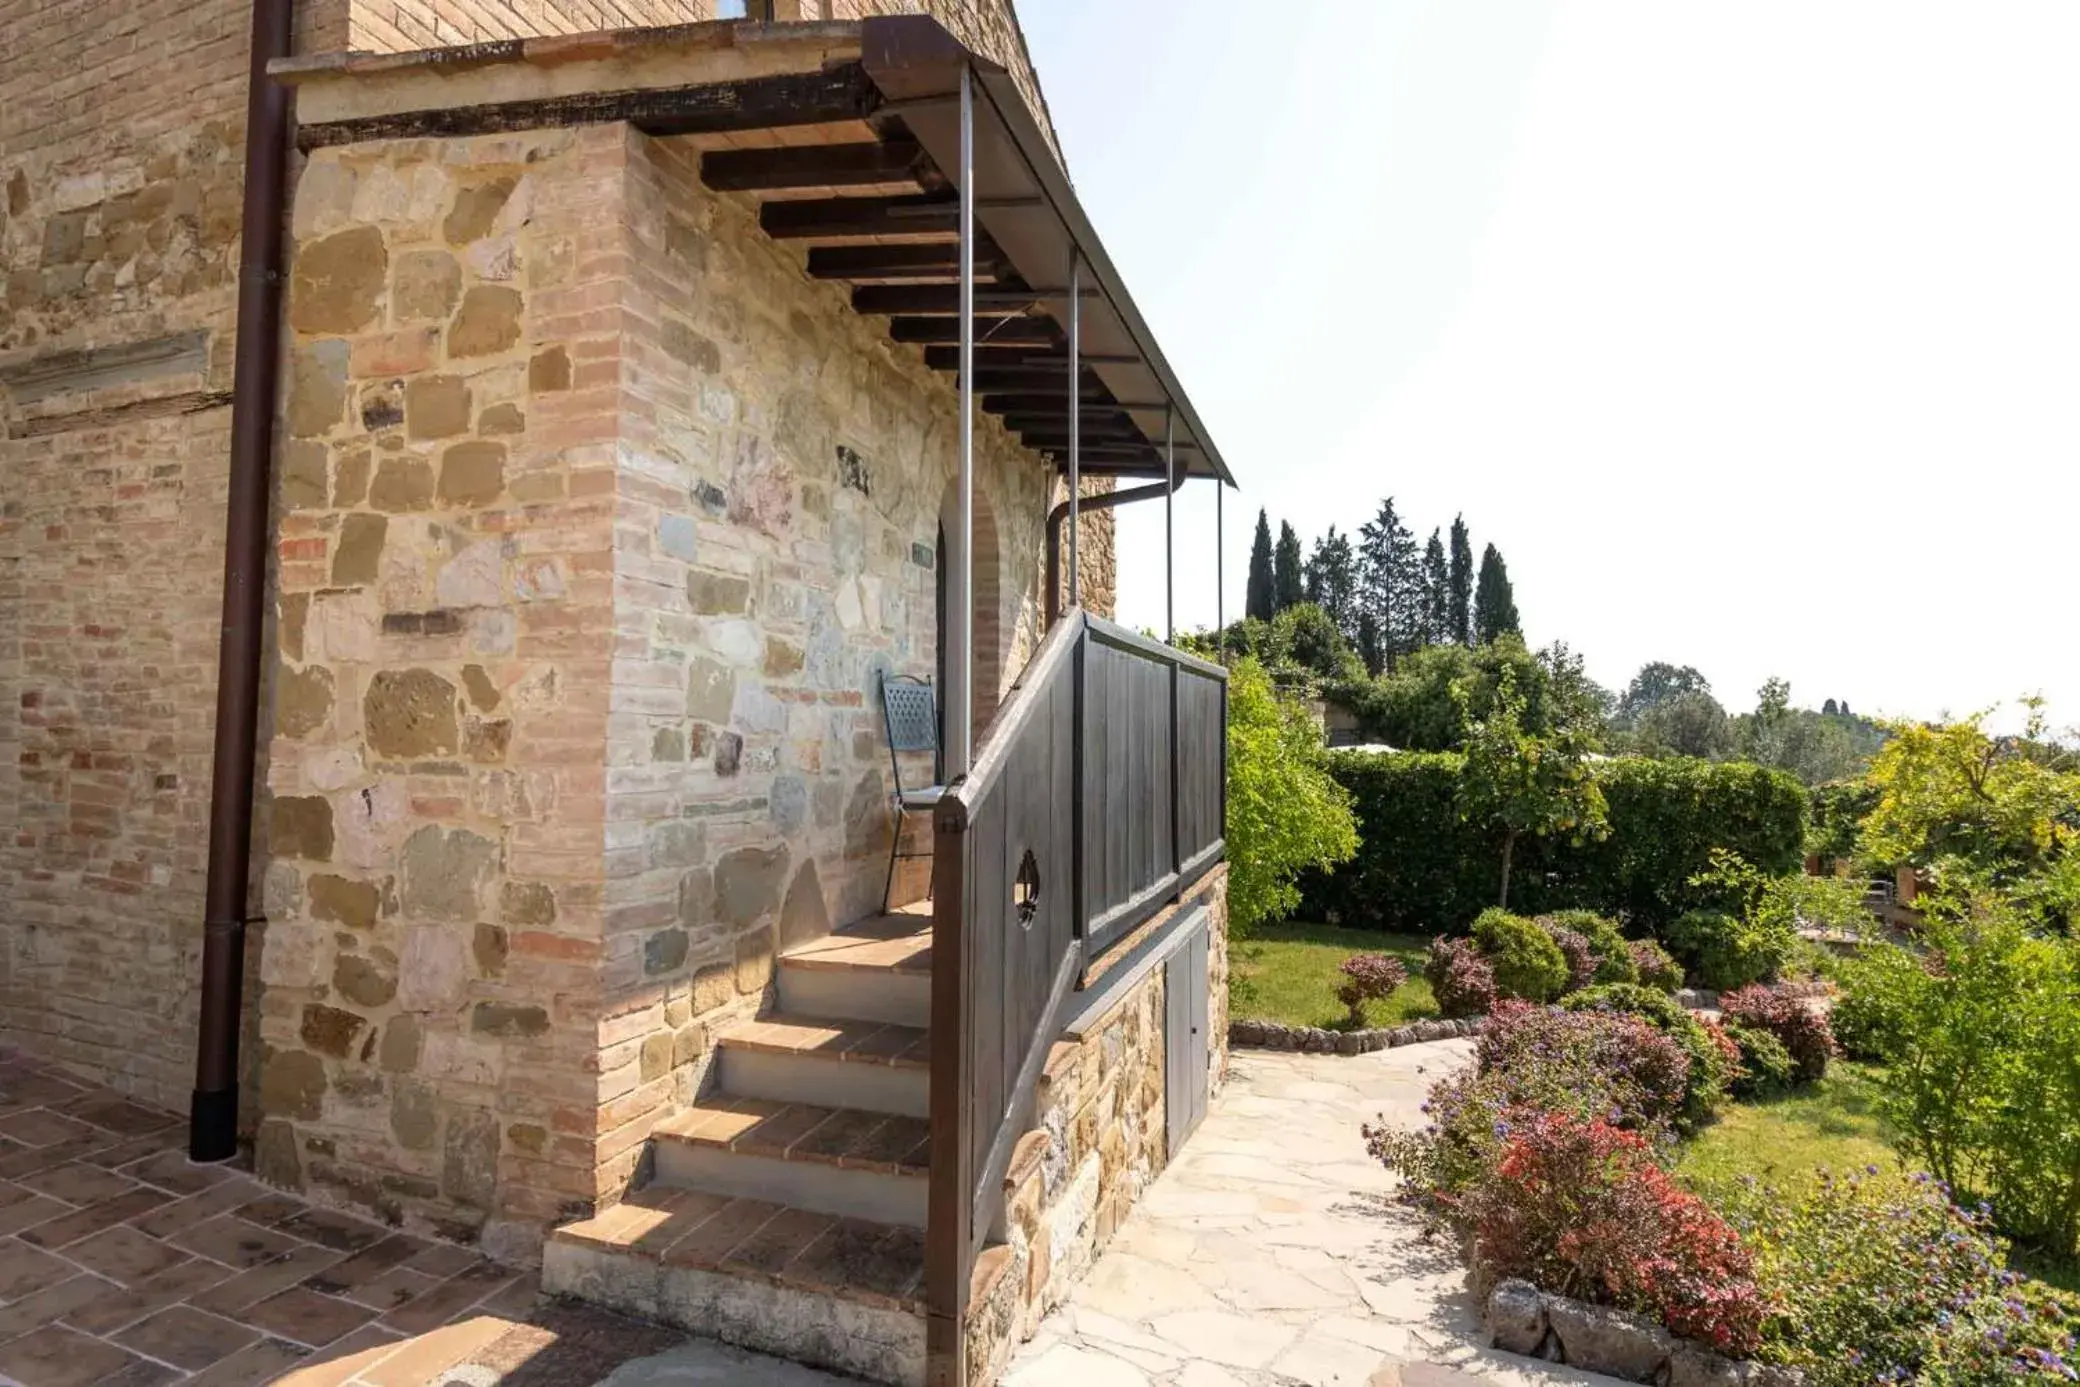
(848, 136)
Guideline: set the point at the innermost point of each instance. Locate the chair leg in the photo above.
(895, 842)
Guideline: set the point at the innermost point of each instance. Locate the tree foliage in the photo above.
(1288, 584)
(1423, 705)
(1522, 782)
(1285, 812)
(1390, 581)
(1260, 597)
(1437, 592)
(1494, 601)
(1459, 608)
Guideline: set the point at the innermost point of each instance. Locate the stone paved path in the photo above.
(1272, 1252)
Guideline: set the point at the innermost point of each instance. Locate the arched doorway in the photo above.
(986, 656)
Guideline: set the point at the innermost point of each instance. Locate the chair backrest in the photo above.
(907, 707)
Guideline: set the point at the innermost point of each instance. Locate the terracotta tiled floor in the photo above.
(122, 1264)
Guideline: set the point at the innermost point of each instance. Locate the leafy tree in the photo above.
(1460, 604)
(1332, 580)
(1260, 598)
(1518, 782)
(1372, 649)
(1287, 585)
(2004, 808)
(1422, 705)
(1390, 582)
(1437, 593)
(1683, 724)
(1303, 636)
(1285, 813)
(1828, 708)
(1494, 603)
(1656, 682)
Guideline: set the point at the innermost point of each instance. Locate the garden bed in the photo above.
(1287, 975)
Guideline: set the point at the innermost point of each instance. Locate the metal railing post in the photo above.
(1170, 637)
(960, 646)
(1075, 422)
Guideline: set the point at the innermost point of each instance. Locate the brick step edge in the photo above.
(1314, 1040)
(1522, 1319)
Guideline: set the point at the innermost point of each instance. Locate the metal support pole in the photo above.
(1170, 525)
(960, 691)
(1220, 628)
(1075, 421)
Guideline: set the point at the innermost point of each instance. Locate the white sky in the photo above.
(1750, 333)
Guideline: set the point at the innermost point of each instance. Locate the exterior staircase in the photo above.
(786, 1211)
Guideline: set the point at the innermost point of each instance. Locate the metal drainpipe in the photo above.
(1106, 501)
(213, 1113)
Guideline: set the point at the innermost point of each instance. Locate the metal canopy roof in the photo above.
(845, 134)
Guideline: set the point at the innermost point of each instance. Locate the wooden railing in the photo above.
(1095, 801)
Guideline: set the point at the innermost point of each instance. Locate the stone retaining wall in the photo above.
(1523, 1319)
(1316, 1040)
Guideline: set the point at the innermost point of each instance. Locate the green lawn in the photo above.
(1289, 973)
(1834, 1124)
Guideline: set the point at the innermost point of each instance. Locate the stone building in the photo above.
(601, 509)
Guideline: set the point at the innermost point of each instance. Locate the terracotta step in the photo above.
(839, 1293)
(877, 969)
(835, 1161)
(870, 1065)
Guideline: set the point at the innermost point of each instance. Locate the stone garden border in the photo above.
(1315, 1040)
(1525, 1320)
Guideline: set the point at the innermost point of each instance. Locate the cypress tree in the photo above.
(1286, 586)
(1437, 593)
(1494, 603)
(1459, 613)
(1260, 597)
(1390, 579)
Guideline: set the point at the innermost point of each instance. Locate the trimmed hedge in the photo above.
(1420, 870)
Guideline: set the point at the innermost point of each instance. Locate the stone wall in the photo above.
(1103, 1137)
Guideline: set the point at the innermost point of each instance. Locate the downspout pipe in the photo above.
(213, 1111)
(1108, 501)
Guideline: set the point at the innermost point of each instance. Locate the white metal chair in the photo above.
(911, 716)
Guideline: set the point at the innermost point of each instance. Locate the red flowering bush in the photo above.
(1803, 1030)
(1463, 981)
(1582, 1208)
(1368, 977)
(1623, 1070)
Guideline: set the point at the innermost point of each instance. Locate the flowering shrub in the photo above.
(1461, 979)
(1613, 953)
(1802, 1030)
(1368, 977)
(1527, 963)
(1655, 966)
(1766, 1066)
(1625, 1071)
(1725, 951)
(1709, 1070)
(1882, 1280)
(1581, 1208)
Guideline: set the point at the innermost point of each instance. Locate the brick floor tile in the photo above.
(269, 1279)
(271, 1210)
(267, 1361)
(340, 1232)
(187, 1337)
(169, 1219)
(35, 1087)
(234, 1242)
(444, 1260)
(29, 1212)
(52, 1303)
(426, 1357)
(395, 1287)
(347, 1358)
(119, 1308)
(42, 1127)
(130, 1152)
(171, 1170)
(367, 1264)
(119, 1115)
(82, 1223)
(24, 1269)
(77, 1184)
(56, 1357)
(521, 1298)
(37, 1158)
(306, 1317)
(449, 1299)
(124, 1254)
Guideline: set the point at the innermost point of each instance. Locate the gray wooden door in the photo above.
(1185, 1042)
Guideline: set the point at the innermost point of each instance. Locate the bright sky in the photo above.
(1750, 333)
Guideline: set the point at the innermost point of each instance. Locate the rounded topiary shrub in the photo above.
(1723, 951)
(1709, 1067)
(1766, 1065)
(1655, 966)
(1801, 1029)
(1607, 944)
(1527, 963)
(1460, 978)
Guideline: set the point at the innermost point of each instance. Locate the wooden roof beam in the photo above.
(787, 167)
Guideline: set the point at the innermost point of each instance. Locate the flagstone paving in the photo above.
(1272, 1252)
